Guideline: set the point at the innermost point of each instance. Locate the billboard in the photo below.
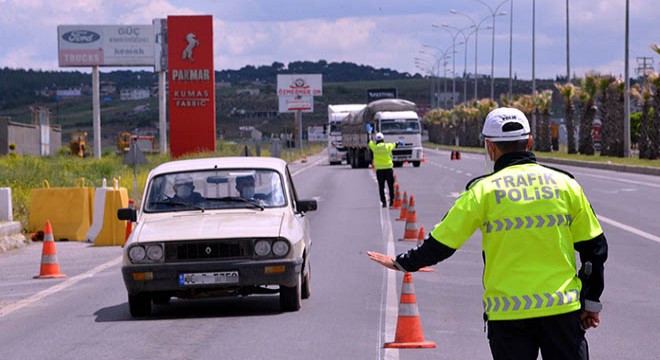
(377, 94)
(191, 79)
(299, 85)
(296, 103)
(105, 45)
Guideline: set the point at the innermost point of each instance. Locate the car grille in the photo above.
(207, 250)
(401, 152)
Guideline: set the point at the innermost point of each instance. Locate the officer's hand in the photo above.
(382, 259)
(369, 128)
(589, 319)
(400, 143)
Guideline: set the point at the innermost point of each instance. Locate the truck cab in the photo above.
(402, 127)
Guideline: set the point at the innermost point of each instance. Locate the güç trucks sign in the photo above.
(105, 45)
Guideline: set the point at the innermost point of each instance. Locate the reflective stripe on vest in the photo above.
(527, 302)
(538, 221)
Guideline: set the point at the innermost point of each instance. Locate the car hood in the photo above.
(206, 225)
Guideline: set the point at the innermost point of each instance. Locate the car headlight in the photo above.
(136, 253)
(262, 247)
(155, 252)
(280, 248)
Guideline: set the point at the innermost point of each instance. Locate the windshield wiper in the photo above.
(238, 199)
(179, 204)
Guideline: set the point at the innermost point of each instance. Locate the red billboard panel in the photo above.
(191, 80)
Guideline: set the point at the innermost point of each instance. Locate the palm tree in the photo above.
(643, 95)
(542, 107)
(587, 95)
(569, 92)
(612, 116)
(654, 123)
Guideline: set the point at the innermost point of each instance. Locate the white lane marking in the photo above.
(389, 306)
(616, 179)
(629, 229)
(307, 167)
(56, 288)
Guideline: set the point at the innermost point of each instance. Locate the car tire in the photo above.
(306, 290)
(291, 297)
(416, 163)
(161, 299)
(139, 305)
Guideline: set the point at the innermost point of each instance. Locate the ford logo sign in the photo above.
(81, 36)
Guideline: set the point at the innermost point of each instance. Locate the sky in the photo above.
(407, 36)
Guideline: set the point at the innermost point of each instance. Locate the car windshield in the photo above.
(409, 126)
(215, 189)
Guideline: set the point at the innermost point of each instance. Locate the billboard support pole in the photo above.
(300, 131)
(96, 111)
(162, 111)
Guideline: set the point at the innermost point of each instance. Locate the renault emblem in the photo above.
(208, 250)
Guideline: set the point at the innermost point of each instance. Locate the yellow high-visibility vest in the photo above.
(530, 216)
(382, 154)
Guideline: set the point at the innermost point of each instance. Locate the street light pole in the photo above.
(466, 39)
(476, 26)
(453, 60)
(568, 48)
(626, 99)
(493, 13)
(444, 64)
(511, 50)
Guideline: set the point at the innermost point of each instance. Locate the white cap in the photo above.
(506, 124)
(183, 179)
(380, 136)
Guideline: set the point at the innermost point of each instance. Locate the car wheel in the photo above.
(416, 163)
(306, 291)
(290, 297)
(161, 299)
(139, 305)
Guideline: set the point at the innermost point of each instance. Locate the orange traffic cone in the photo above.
(411, 232)
(50, 269)
(396, 204)
(403, 214)
(420, 240)
(424, 158)
(409, 333)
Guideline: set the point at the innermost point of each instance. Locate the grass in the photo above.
(24, 173)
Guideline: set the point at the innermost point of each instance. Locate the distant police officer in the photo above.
(383, 163)
(532, 219)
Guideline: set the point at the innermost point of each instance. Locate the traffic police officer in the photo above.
(383, 163)
(532, 218)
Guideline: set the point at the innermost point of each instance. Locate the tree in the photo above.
(569, 92)
(587, 95)
(542, 108)
(611, 111)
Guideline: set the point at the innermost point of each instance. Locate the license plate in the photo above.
(223, 277)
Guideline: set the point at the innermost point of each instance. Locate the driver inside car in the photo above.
(246, 189)
(184, 190)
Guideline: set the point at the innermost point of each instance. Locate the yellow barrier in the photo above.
(111, 231)
(69, 210)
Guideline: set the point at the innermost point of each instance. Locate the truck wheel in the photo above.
(416, 163)
(139, 305)
(397, 164)
(290, 297)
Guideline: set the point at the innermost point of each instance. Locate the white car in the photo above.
(218, 241)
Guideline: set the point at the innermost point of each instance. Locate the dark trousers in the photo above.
(558, 337)
(382, 176)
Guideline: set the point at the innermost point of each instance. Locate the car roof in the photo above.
(236, 162)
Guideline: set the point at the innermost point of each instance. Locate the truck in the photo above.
(336, 114)
(397, 119)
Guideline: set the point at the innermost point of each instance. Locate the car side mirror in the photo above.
(306, 205)
(127, 214)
